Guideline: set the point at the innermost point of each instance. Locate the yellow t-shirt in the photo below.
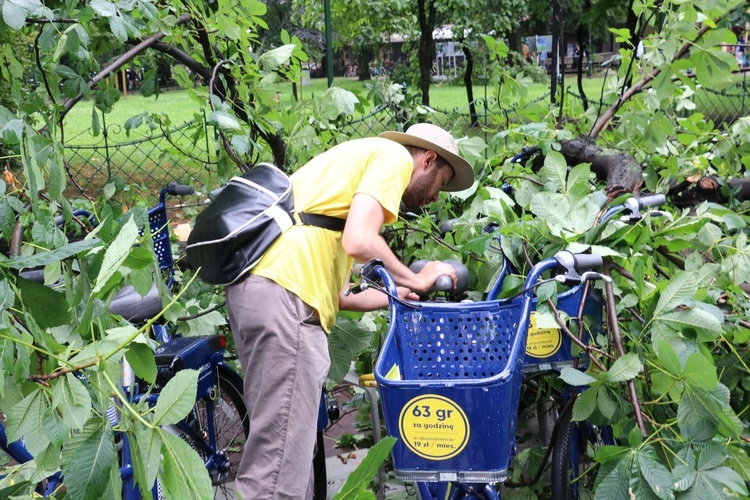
(309, 261)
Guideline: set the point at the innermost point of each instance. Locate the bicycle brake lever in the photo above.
(356, 289)
(568, 279)
(593, 275)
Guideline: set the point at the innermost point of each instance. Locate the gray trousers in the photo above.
(284, 355)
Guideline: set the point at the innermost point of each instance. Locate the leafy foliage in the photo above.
(669, 374)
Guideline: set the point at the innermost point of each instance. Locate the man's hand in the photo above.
(406, 294)
(431, 272)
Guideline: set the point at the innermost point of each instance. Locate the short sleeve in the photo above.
(386, 177)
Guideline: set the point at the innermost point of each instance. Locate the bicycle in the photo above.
(217, 424)
(573, 468)
(547, 354)
(450, 376)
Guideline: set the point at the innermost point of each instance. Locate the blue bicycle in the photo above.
(450, 377)
(216, 427)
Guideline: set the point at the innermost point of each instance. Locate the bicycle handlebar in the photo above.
(179, 189)
(653, 200)
(579, 261)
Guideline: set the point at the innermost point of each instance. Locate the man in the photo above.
(280, 313)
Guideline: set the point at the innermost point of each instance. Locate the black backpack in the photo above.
(249, 213)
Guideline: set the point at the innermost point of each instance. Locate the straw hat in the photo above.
(434, 138)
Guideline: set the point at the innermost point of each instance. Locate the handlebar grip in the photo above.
(444, 283)
(653, 200)
(583, 261)
(573, 263)
(179, 189)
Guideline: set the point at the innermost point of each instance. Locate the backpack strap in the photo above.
(324, 221)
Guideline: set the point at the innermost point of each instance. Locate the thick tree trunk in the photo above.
(364, 56)
(426, 50)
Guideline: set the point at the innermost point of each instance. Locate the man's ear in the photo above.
(429, 158)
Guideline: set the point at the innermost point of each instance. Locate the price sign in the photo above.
(434, 427)
(542, 342)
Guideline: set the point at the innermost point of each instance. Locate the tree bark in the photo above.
(622, 173)
(468, 84)
(426, 50)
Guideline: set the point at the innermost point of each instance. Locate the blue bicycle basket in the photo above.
(450, 379)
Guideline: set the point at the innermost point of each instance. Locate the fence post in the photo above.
(107, 159)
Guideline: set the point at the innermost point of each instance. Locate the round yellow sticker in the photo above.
(542, 342)
(434, 427)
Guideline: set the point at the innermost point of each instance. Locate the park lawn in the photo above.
(180, 108)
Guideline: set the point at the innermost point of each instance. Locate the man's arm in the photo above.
(362, 241)
(371, 299)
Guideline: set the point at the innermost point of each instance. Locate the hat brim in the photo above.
(463, 177)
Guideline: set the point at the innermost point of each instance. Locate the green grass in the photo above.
(181, 108)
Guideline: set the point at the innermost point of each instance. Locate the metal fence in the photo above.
(722, 106)
(188, 153)
(181, 153)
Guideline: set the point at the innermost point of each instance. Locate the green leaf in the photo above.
(585, 404)
(576, 378)
(701, 414)
(177, 398)
(87, 460)
(7, 297)
(25, 420)
(656, 475)
(224, 121)
(343, 102)
(712, 455)
(146, 465)
(141, 360)
(739, 461)
(678, 292)
(607, 406)
(555, 171)
(183, 474)
(712, 66)
(706, 325)
(72, 400)
(614, 485)
(44, 258)
(578, 182)
(365, 471)
(48, 307)
(700, 372)
(104, 8)
(116, 253)
(14, 14)
(274, 58)
(348, 337)
(668, 358)
(625, 368)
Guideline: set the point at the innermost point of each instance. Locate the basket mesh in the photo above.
(157, 221)
(455, 344)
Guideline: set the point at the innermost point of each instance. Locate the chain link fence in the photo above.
(188, 153)
(182, 153)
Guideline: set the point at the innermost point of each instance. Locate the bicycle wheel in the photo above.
(573, 467)
(230, 429)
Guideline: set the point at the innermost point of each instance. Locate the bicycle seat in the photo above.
(130, 305)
